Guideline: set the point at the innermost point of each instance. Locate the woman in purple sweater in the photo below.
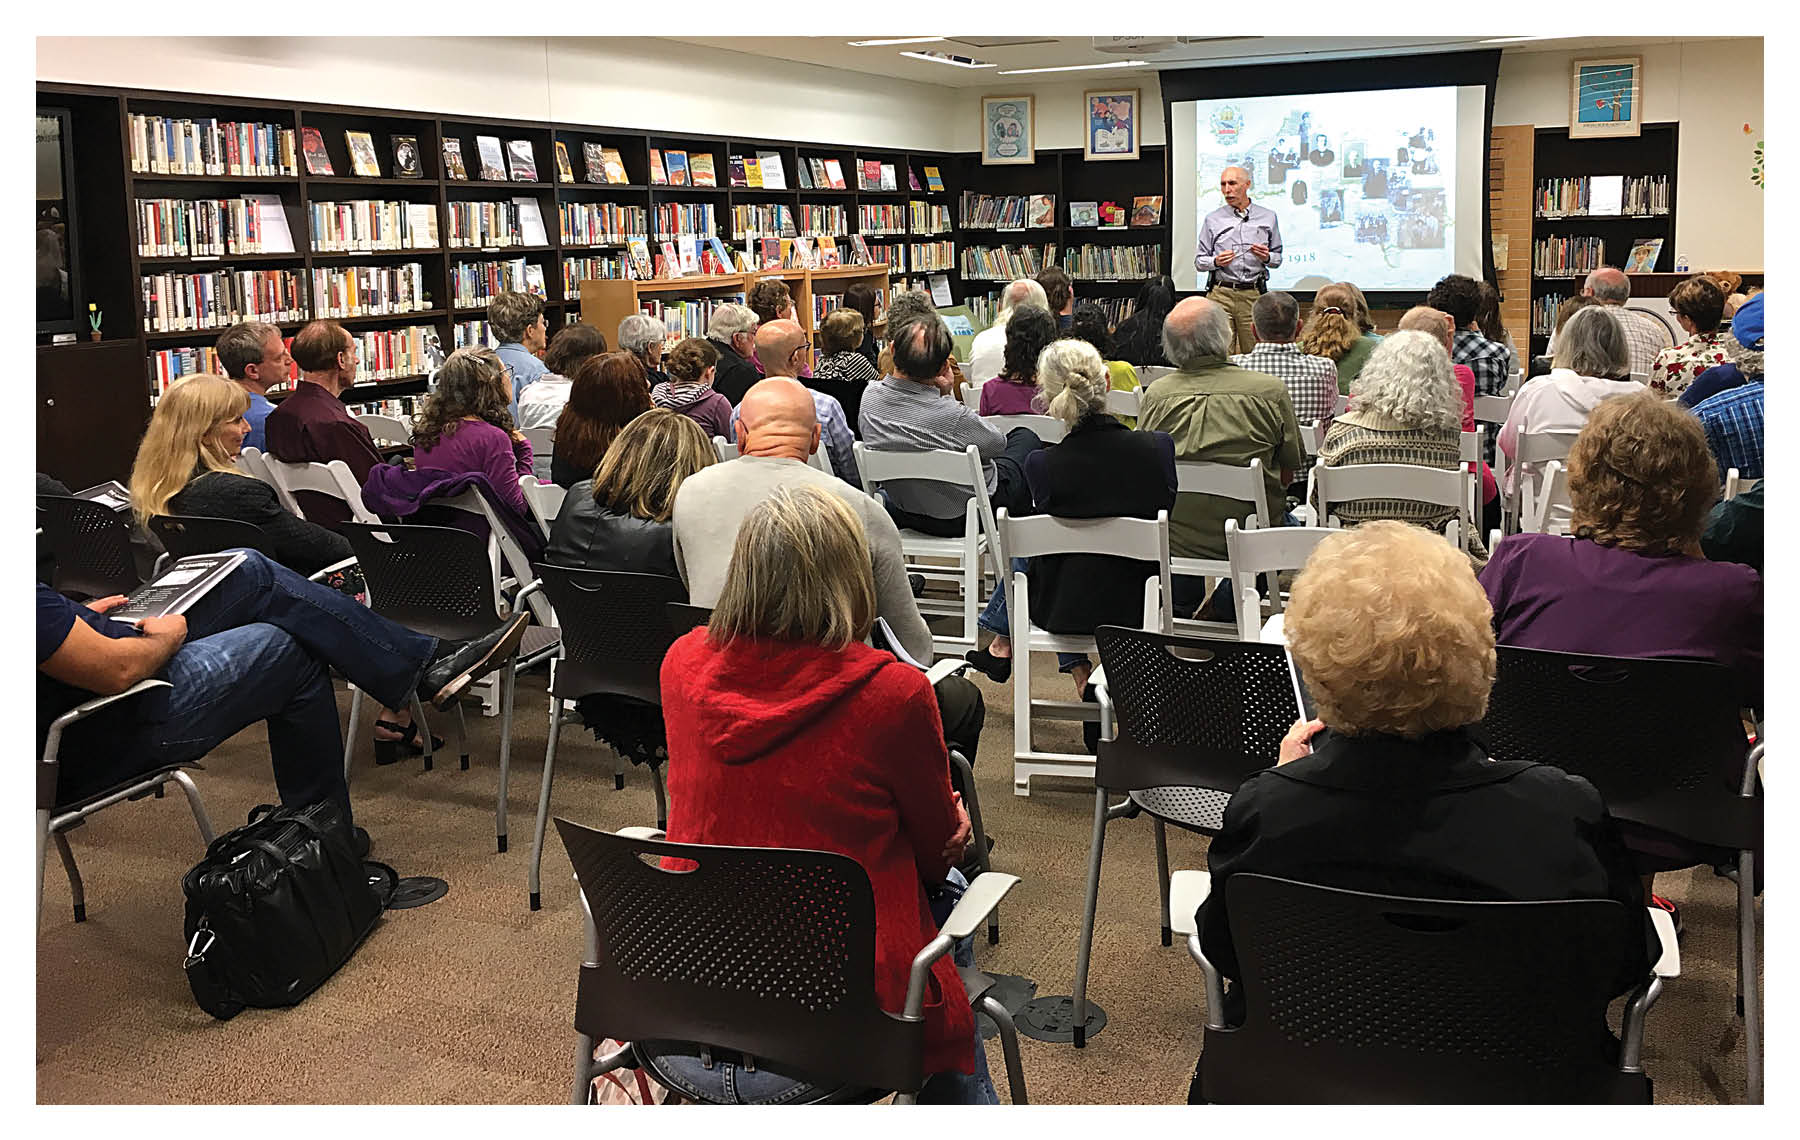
(1029, 331)
(466, 425)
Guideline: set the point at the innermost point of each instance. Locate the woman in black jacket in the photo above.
(1138, 339)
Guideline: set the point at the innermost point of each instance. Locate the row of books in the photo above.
(601, 223)
(881, 221)
(1145, 211)
(672, 219)
(369, 290)
(163, 145)
(178, 302)
(171, 364)
(1007, 262)
(517, 162)
(1567, 256)
(762, 221)
(1602, 195)
(928, 218)
(475, 283)
(392, 408)
(601, 164)
(368, 224)
(1112, 262)
(396, 354)
(604, 267)
(495, 225)
(212, 227)
(824, 304)
(686, 317)
(931, 256)
(1115, 308)
(474, 334)
(815, 219)
(1543, 313)
(892, 256)
(1007, 211)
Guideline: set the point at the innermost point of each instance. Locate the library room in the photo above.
(570, 568)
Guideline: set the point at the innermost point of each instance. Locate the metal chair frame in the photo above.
(1225, 481)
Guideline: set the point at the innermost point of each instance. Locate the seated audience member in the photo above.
(907, 305)
(1461, 297)
(1311, 380)
(1745, 357)
(780, 347)
(1734, 530)
(184, 467)
(1392, 633)
(1593, 363)
(987, 352)
(845, 370)
(692, 364)
(914, 410)
(464, 427)
(643, 337)
(253, 355)
(606, 393)
(544, 401)
(771, 711)
(777, 428)
(1138, 339)
(1217, 412)
(518, 323)
(771, 301)
(256, 647)
(1340, 330)
(1699, 307)
(860, 298)
(1404, 408)
(1645, 335)
(1101, 469)
(1731, 287)
(1488, 322)
(312, 425)
(1089, 324)
(1059, 295)
(1014, 392)
(732, 330)
(1565, 310)
(1422, 318)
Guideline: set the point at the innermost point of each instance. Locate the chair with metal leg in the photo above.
(1246, 487)
(92, 546)
(766, 952)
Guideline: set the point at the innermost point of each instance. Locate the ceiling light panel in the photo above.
(1000, 41)
(1076, 67)
(943, 57)
(901, 40)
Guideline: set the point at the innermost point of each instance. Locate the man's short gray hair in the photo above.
(242, 345)
(1024, 291)
(1608, 285)
(907, 305)
(1593, 344)
(1408, 380)
(729, 320)
(1276, 316)
(638, 332)
(1188, 338)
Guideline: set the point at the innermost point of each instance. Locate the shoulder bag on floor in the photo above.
(276, 907)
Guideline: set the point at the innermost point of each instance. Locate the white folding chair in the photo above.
(1340, 405)
(1048, 428)
(726, 449)
(252, 461)
(1124, 403)
(1470, 452)
(1435, 486)
(387, 429)
(1037, 536)
(1245, 486)
(1553, 492)
(1152, 372)
(539, 438)
(1312, 436)
(971, 396)
(978, 540)
(1253, 553)
(333, 480)
(1736, 484)
(1514, 378)
(1525, 503)
(1492, 409)
(820, 461)
(544, 499)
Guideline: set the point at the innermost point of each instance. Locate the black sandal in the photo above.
(388, 751)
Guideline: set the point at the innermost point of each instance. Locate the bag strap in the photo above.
(210, 990)
(384, 894)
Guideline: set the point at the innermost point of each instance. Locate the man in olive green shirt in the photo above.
(1217, 413)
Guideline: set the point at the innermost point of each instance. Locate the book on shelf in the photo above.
(362, 154)
(803, 174)
(753, 176)
(1084, 215)
(888, 180)
(736, 169)
(834, 174)
(770, 253)
(612, 166)
(871, 175)
(1112, 214)
(531, 222)
(700, 169)
(1147, 211)
(312, 145)
(163, 145)
(912, 179)
(453, 161)
(658, 177)
(493, 159)
(421, 225)
(406, 157)
(821, 175)
(521, 160)
(788, 258)
(1041, 214)
(1643, 255)
(940, 289)
(720, 253)
(933, 180)
(534, 279)
(828, 252)
(638, 249)
(1606, 195)
(687, 252)
(593, 161)
(677, 161)
(773, 176)
(859, 251)
(565, 170)
(671, 261)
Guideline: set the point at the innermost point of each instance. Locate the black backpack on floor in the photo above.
(276, 907)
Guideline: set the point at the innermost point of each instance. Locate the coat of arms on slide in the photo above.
(1227, 124)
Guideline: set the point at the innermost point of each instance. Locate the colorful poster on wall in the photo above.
(1605, 98)
(1112, 125)
(1007, 130)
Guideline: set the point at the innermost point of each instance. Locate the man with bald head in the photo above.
(781, 349)
(777, 428)
(1646, 335)
(1238, 244)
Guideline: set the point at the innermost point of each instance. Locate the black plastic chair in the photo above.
(768, 952)
(1365, 998)
(615, 634)
(1195, 716)
(184, 535)
(92, 546)
(1663, 742)
(684, 617)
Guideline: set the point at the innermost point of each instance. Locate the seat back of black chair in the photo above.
(1364, 998)
(184, 535)
(1659, 738)
(767, 951)
(684, 616)
(615, 631)
(1192, 711)
(92, 545)
(435, 580)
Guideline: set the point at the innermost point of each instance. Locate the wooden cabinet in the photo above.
(92, 406)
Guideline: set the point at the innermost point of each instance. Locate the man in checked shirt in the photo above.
(1311, 380)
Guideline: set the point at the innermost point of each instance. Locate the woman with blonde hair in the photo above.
(770, 711)
(1341, 330)
(1387, 791)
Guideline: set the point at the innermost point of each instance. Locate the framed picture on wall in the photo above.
(1008, 130)
(1112, 125)
(1606, 98)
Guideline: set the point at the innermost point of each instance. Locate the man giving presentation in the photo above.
(1239, 243)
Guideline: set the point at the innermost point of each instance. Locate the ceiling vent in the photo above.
(999, 41)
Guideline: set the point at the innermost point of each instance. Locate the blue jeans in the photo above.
(994, 619)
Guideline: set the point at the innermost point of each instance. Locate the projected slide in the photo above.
(1363, 182)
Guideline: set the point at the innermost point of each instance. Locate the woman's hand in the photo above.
(1297, 741)
(518, 437)
(959, 843)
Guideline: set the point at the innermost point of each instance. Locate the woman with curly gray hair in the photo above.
(1405, 407)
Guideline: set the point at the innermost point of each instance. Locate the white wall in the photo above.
(1712, 88)
(1061, 113)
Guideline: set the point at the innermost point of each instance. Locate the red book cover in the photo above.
(871, 174)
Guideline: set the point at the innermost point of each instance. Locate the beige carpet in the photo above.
(469, 999)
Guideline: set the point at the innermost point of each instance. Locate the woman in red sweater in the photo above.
(786, 730)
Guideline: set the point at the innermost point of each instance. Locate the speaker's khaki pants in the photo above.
(1237, 302)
